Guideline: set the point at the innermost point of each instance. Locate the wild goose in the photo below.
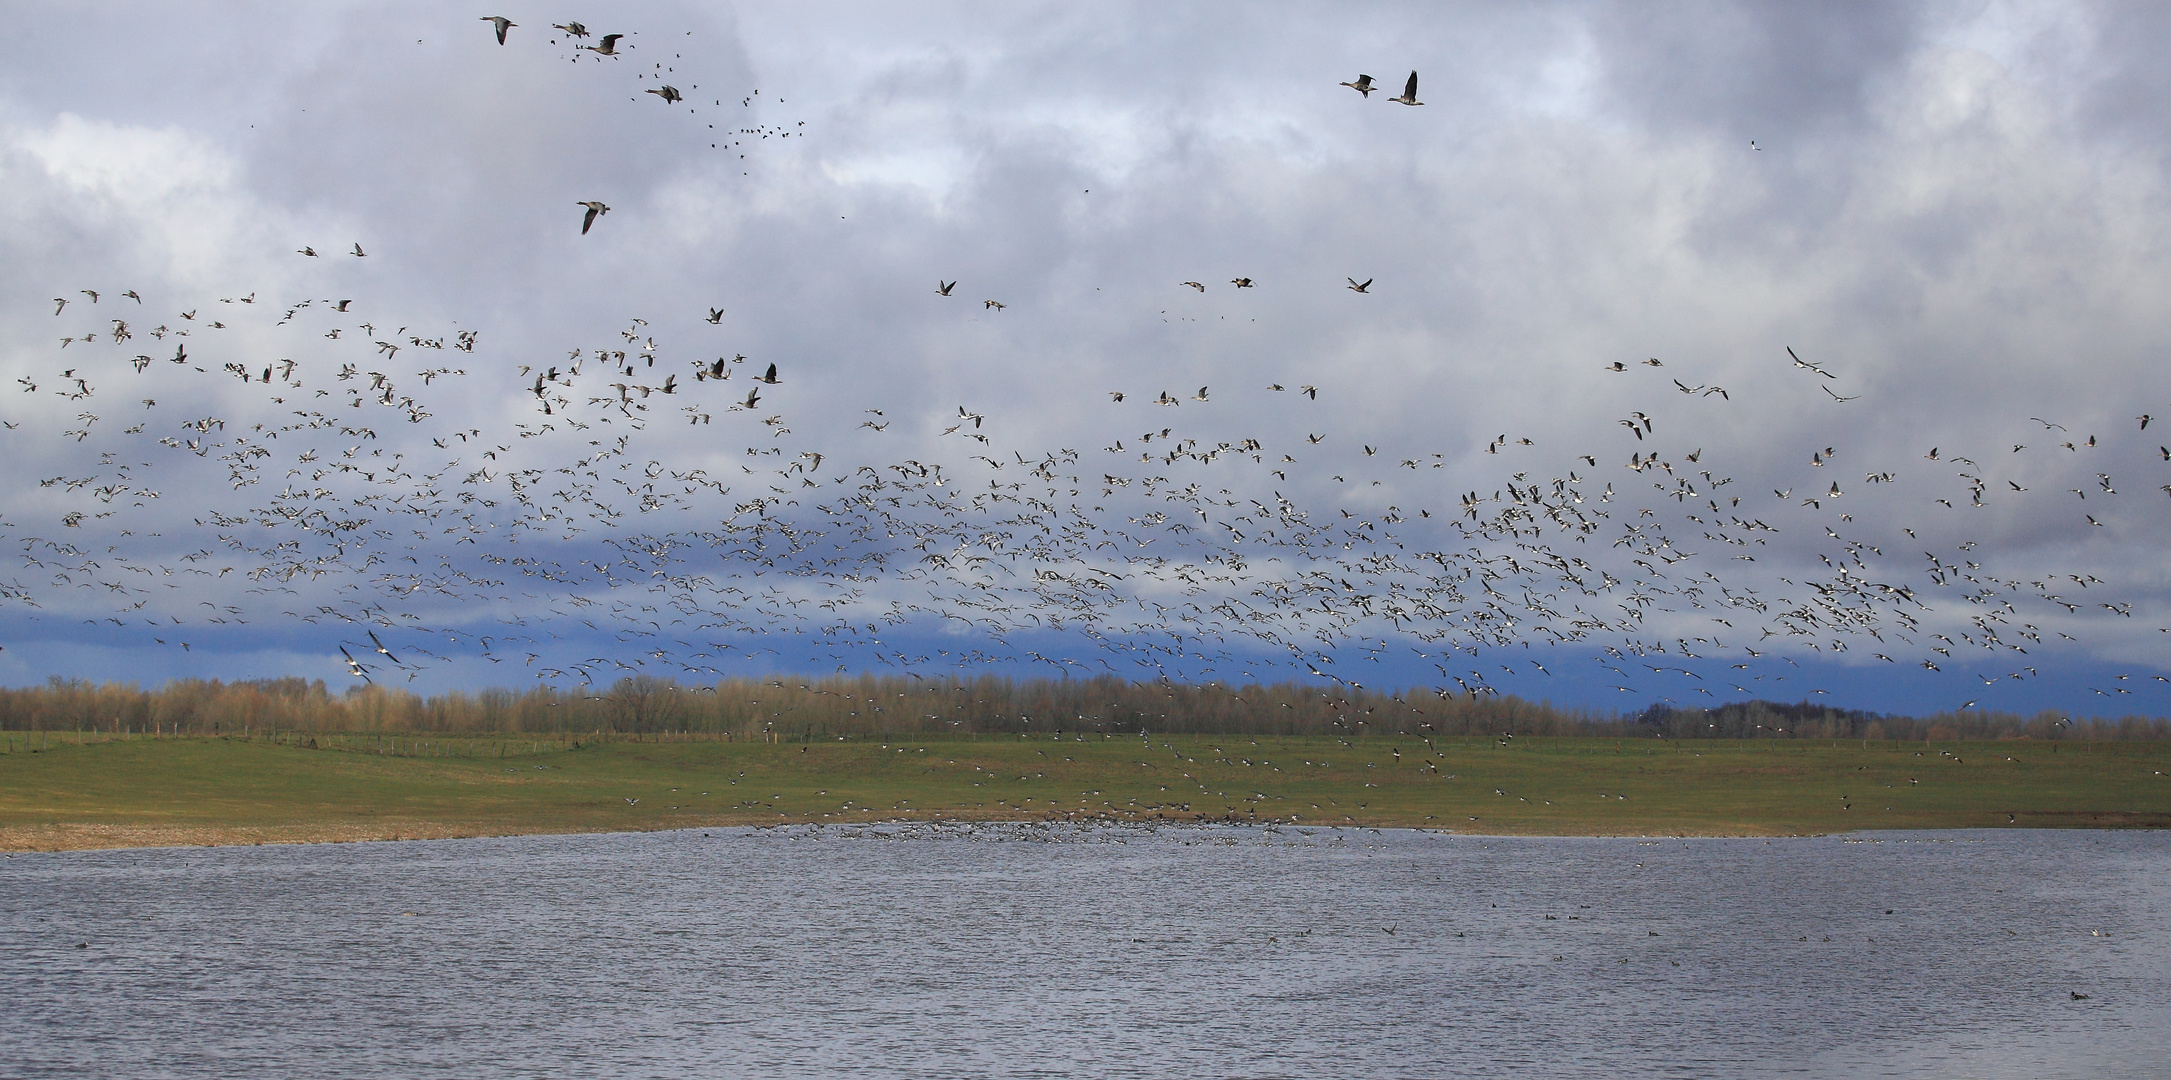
(1409, 92)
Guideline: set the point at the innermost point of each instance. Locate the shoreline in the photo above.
(90, 836)
(54, 839)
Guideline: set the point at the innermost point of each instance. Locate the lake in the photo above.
(1070, 950)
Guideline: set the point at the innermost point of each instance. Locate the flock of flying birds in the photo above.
(607, 46)
(370, 513)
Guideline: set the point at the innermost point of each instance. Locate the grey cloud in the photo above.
(1578, 190)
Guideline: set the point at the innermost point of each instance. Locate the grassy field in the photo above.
(69, 791)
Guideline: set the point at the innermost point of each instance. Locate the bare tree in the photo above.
(643, 703)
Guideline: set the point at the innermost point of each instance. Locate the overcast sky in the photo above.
(1957, 212)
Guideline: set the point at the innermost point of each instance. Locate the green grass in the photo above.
(101, 792)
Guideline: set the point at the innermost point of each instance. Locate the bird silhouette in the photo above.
(1409, 92)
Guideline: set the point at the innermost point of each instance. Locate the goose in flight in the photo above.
(501, 23)
(769, 376)
(995, 305)
(354, 667)
(573, 28)
(669, 94)
(1801, 363)
(307, 250)
(716, 315)
(596, 209)
(1354, 287)
(942, 288)
(1409, 92)
(607, 47)
(1241, 282)
(358, 252)
(1363, 85)
(1836, 397)
(1199, 285)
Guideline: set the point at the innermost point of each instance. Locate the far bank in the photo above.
(65, 790)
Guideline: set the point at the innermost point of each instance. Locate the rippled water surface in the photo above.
(1092, 951)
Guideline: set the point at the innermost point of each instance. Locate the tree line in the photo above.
(797, 708)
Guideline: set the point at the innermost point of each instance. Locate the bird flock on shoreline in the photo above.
(642, 518)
